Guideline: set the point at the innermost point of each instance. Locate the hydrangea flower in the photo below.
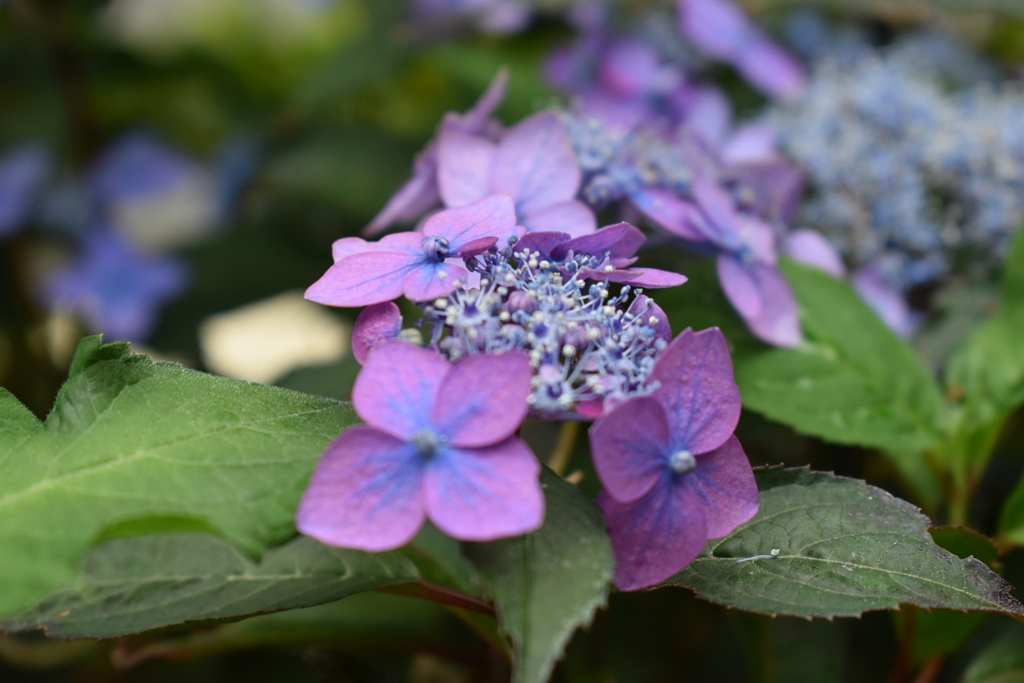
(439, 442)
(745, 248)
(115, 287)
(374, 325)
(22, 173)
(420, 193)
(533, 162)
(721, 29)
(418, 265)
(495, 17)
(674, 473)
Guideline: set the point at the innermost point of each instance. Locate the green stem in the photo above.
(562, 455)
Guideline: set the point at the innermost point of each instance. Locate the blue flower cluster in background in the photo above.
(914, 151)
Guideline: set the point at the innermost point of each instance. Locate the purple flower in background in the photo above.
(416, 264)
(22, 173)
(116, 288)
(673, 472)
(746, 256)
(533, 162)
(810, 248)
(885, 301)
(138, 167)
(615, 244)
(439, 442)
(721, 29)
(375, 325)
(496, 17)
(420, 193)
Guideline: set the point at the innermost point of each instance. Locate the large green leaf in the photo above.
(1002, 661)
(843, 548)
(548, 583)
(853, 382)
(135, 584)
(144, 447)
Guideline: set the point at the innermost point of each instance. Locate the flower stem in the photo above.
(440, 594)
(562, 455)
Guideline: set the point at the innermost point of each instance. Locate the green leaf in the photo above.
(548, 583)
(843, 548)
(129, 439)
(1002, 661)
(853, 382)
(129, 585)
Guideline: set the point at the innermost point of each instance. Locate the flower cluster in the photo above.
(908, 167)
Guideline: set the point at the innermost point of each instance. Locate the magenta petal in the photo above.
(475, 247)
(365, 493)
(654, 537)
(724, 482)
(398, 387)
(374, 325)
(572, 217)
(536, 164)
(653, 278)
(484, 494)
(630, 447)
(698, 390)
(679, 217)
(433, 280)
(349, 246)
(810, 248)
(483, 399)
(764, 299)
(771, 69)
(621, 240)
(365, 279)
(493, 216)
(464, 167)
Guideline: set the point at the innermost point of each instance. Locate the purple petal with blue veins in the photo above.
(676, 215)
(366, 493)
(630, 448)
(724, 482)
(483, 400)
(398, 387)
(697, 388)
(542, 243)
(493, 216)
(620, 240)
(484, 494)
(464, 164)
(432, 280)
(366, 278)
(572, 217)
(536, 164)
(763, 298)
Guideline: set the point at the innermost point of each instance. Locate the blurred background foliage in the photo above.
(331, 101)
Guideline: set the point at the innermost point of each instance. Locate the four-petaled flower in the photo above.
(439, 442)
(420, 265)
(673, 472)
(747, 262)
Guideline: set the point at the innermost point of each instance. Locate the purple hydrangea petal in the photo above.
(757, 238)
(542, 243)
(365, 279)
(679, 217)
(772, 70)
(417, 195)
(476, 119)
(432, 280)
(706, 110)
(493, 216)
(656, 536)
(812, 249)
(763, 299)
(718, 27)
(651, 309)
(464, 167)
(398, 387)
(717, 205)
(886, 302)
(750, 143)
(483, 494)
(536, 164)
(139, 167)
(572, 217)
(777, 187)
(724, 482)
(630, 447)
(475, 247)
(374, 325)
(366, 493)
(630, 68)
(651, 278)
(483, 400)
(399, 242)
(621, 240)
(698, 390)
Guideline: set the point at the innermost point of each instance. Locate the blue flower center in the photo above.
(436, 248)
(682, 462)
(428, 442)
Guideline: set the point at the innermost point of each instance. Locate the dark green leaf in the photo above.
(136, 584)
(130, 439)
(548, 583)
(843, 548)
(853, 382)
(1000, 662)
